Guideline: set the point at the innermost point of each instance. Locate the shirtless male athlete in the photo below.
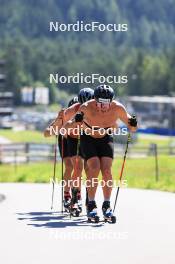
(71, 148)
(102, 112)
(57, 124)
(74, 149)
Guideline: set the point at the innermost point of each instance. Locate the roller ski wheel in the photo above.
(95, 219)
(67, 207)
(92, 212)
(67, 210)
(74, 210)
(77, 213)
(112, 219)
(107, 213)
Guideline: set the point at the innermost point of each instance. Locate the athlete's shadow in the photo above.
(40, 216)
(55, 220)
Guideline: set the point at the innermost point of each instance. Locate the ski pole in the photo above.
(87, 199)
(62, 167)
(77, 156)
(121, 172)
(54, 170)
(62, 170)
(75, 190)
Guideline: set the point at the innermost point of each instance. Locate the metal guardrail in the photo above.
(34, 152)
(21, 153)
(26, 152)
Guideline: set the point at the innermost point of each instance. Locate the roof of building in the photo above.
(152, 99)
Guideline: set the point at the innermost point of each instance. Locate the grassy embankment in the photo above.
(139, 173)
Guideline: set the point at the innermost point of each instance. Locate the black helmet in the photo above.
(73, 101)
(103, 93)
(85, 95)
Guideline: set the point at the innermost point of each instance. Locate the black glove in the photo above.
(133, 121)
(79, 117)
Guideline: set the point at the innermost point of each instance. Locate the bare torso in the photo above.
(103, 118)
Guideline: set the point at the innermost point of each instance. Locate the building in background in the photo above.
(156, 113)
(42, 95)
(6, 104)
(27, 95)
(38, 95)
(6, 98)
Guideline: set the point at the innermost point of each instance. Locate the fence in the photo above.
(25, 152)
(33, 152)
(20, 153)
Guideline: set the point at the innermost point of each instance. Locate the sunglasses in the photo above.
(103, 103)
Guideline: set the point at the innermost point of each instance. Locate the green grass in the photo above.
(25, 136)
(36, 136)
(139, 173)
(146, 140)
(39, 108)
(37, 172)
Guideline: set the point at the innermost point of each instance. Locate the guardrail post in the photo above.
(156, 163)
(27, 152)
(15, 160)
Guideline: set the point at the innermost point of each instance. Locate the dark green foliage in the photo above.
(145, 53)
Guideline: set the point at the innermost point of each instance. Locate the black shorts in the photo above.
(65, 147)
(97, 147)
(72, 147)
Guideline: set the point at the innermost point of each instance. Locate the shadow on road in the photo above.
(2, 197)
(55, 220)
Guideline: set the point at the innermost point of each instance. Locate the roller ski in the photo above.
(107, 213)
(92, 212)
(75, 207)
(67, 202)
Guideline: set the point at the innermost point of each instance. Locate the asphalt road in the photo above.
(2, 197)
(30, 233)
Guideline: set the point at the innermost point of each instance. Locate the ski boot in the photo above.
(67, 202)
(107, 213)
(74, 208)
(92, 212)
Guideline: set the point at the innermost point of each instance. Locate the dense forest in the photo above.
(145, 53)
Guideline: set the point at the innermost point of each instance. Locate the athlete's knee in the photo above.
(106, 172)
(68, 166)
(93, 164)
(78, 165)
